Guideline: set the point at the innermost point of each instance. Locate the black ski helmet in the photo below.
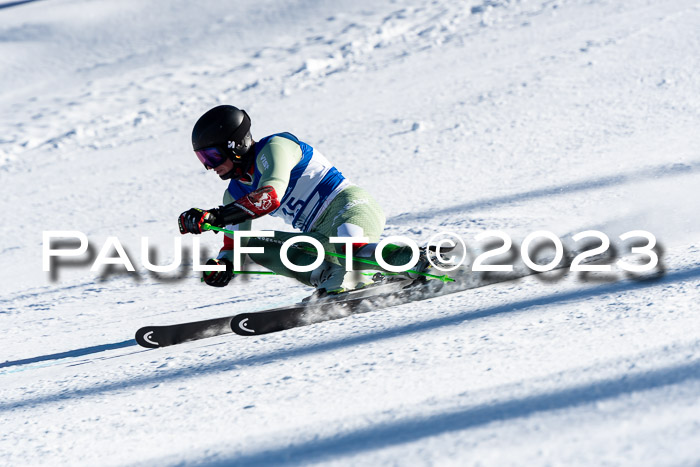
(225, 129)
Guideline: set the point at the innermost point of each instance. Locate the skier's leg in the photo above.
(271, 258)
(353, 213)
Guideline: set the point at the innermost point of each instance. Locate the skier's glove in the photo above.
(191, 220)
(218, 278)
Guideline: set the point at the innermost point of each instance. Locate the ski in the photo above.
(329, 308)
(316, 310)
(386, 293)
(311, 311)
(405, 291)
(162, 336)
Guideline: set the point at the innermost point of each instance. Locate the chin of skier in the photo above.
(284, 177)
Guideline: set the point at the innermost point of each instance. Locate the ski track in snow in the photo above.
(566, 115)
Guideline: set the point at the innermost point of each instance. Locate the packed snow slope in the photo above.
(561, 115)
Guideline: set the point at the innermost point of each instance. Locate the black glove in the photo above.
(191, 220)
(218, 278)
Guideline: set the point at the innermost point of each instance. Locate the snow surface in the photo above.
(565, 115)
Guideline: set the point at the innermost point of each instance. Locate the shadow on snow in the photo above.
(410, 429)
(667, 170)
(455, 319)
(70, 353)
(15, 3)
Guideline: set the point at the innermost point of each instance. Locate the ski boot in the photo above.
(333, 279)
(427, 262)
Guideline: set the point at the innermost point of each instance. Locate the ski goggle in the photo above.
(211, 157)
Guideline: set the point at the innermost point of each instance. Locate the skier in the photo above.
(285, 177)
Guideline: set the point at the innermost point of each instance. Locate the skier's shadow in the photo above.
(470, 314)
(70, 353)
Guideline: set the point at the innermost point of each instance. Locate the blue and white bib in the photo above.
(314, 182)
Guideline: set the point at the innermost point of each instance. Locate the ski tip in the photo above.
(145, 338)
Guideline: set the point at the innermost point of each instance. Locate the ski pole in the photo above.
(261, 273)
(443, 278)
(270, 273)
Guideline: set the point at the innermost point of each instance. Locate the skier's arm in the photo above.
(225, 257)
(275, 162)
(251, 206)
